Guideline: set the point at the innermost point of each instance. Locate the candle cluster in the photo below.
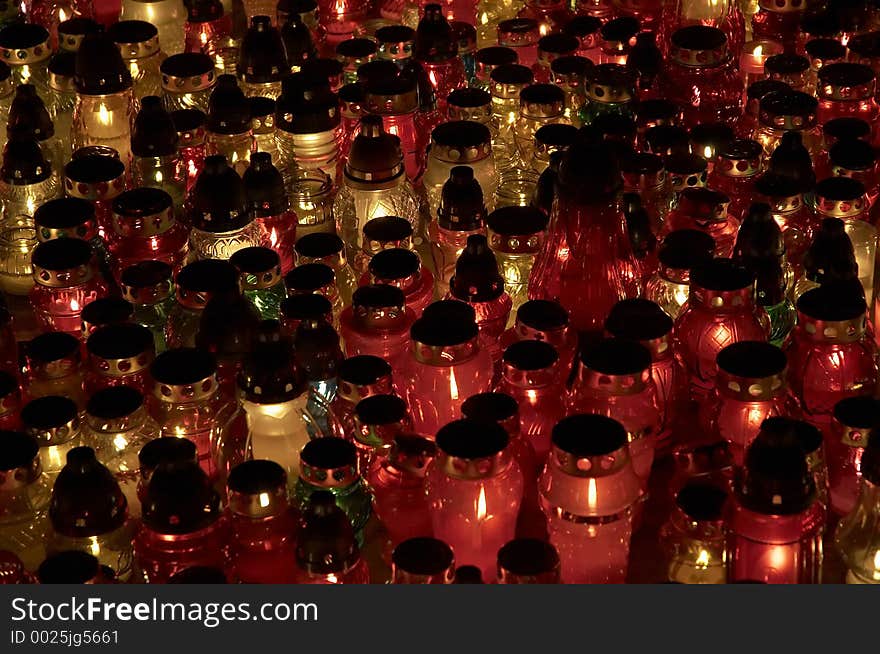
(461, 292)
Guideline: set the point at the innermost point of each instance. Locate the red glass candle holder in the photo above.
(845, 445)
(377, 323)
(474, 488)
(588, 490)
(358, 377)
(120, 355)
(402, 268)
(97, 175)
(707, 211)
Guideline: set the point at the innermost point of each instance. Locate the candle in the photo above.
(754, 56)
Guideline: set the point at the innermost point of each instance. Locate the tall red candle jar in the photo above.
(588, 491)
(403, 269)
(720, 311)
(186, 402)
(144, 227)
(705, 210)
(377, 420)
(779, 20)
(474, 488)
(701, 76)
(98, 179)
(327, 551)
(775, 521)
(190, 126)
(751, 386)
(55, 422)
(446, 365)
(328, 249)
(680, 252)
(54, 367)
(64, 282)
(738, 165)
(262, 522)
(521, 35)
(645, 322)
(182, 525)
(586, 217)
(119, 355)
(10, 401)
(89, 513)
(377, 323)
(845, 444)
(532, 374)
(692, 540)
(528, 561)
(195, 285)
(422, 560)
(117, 426)
(358, 377)
(398, 484)
(264, 188)
(830, 355)
(187, 81)
(614, 379)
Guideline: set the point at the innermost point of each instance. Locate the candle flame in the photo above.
(95, 546)
(120, 442)
(481, 505)
(264, 500)
(877, 564)
(103, 114)
(204, 39)
(544, 29)
(340, 9)
(758, 51)
(592, 494)
(484, 18)
(702, 559)
(453, 385)
(273, 238)
(159, 177)
(707, 152)
(62, 15)
(332, 579)
(74, 305)
(433, 77)
(178, 431)
(191, 168)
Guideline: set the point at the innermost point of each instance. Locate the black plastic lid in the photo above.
(666, 139)
(154, 133)
(871, 458)
(52, 346)
(86, 498)
(255, 260)
(450, 310)
(471, 439)
(64, 214)
(167, 449)
(17, 450)
(699, 37)
(363, 370)
(256, 476)
(69, 567)
(757, 90)
(477, 277)
(120, 341)
(760, 248)
(862, 411)
(752, 359)
(616, 356)
(461, 134)
(132, 31)
(830, 256)
(382, 409)
(468, 574)
(393, 263)
(100, 69)
(588, 434)
(218, 201)
(517, 221)
(309, 277)
(262, 57)
(227, 326)
(268, 373)
(853, 154)
(147, 274)
(701, 502)
(306, 306)
(114, 402)
(530, 355)
(260, 108)
(23, 161)
(846, 128)
(62, 64)
(378, 296)
(528, 557)
(573, 65)
(62, 254)
(638, 319)
(512, 74)
(542, 315)
(23, 36)
(209, 276)
(356, 48)
(787, 63)
(183, 366)
(107, 311)
(542, 94)
(388, 229)
(589, 172)
(229, 111)
(264, 186)
(832, 302)
(142, 202)
(179, 499)
(28, 114)
(492, 406)
(846, 74)
(493, 55)
(329, 453)
(48, 412)
(319, 245)
(94, 169)
(620, 29)
(423, 556)
(721, 275)
(840, 189)
(774, 185)
(187, 64)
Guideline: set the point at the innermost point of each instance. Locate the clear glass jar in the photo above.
(314, 278)
(516, 236)
(780, 112)
(25, 48)
(488, 59)
(473, 477)
(856, 538)
(138, 42)
(328, 249)
(116, 427)
(167, 15)
(311, 201)
(24, 498)
(54, 367)
(18, 238)
(692, 540)
(590, 508)
(402, 268)
(262, 62)
(26, 179)
(54, 421)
